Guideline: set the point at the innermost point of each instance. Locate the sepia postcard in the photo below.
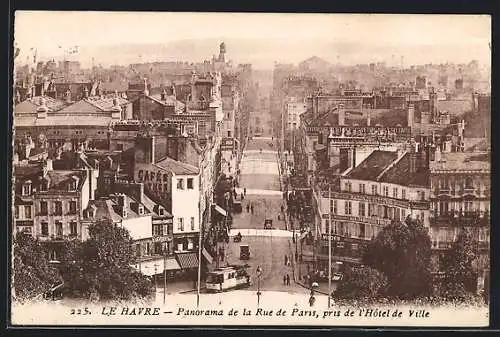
(250, 169)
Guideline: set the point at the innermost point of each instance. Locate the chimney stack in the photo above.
(164, 95)
(68, 96)
(410, 115)
(433, 104)
(341, 114)
(173, 91)
(368, 117)
(151, 144)
(137, 190)
(413, 162)
(461, 127)
(86, 92)
(48, 165)
(146, 91)
(42, 109)
(437, 155)
(116, 112)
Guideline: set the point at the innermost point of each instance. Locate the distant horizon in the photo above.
(258, 65)
(261, 39)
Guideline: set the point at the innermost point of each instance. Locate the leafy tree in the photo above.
(100, 268)
(33, 275)
(402, 251)
(460, 281)
(361, 283)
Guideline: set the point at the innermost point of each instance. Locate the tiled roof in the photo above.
(399, 174)
(153, 206)
(384, 117)
(388, 117)
(106, 103)
(108, 208)
(177, 167)
(169, 100)
(455, 107)
(373, 165)
(476, 144)
(462, 161)
(113, 86)
(60, 179)
(31, 105)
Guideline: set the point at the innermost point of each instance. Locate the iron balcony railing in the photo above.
(460, 219)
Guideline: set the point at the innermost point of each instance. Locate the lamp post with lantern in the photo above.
(259, 273)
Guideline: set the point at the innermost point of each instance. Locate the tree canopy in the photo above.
(100, 268)
(361, 282)
(33, 275)
(460, 279)
(402, 251)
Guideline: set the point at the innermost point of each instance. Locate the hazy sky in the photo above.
(294, 37)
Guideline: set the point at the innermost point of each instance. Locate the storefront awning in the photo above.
(220, 210)
(187, 260)
(207, 255)
(172, 264)
(156, 266)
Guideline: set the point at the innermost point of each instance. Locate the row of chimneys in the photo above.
(313, 103)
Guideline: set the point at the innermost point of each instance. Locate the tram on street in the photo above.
(227, 278)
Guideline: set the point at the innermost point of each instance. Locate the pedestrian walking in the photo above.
(245, 191)
(248, 208)
(242, 197)
(251, 208)
(284, 280)
(287, 279)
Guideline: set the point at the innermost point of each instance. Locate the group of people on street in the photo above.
(286, 278)
(250, 208)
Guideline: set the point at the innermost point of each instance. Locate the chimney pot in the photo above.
(341, 114)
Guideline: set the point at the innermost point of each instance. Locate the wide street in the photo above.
(260, 176)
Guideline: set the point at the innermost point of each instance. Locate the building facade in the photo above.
(460, 199)
(387, 186)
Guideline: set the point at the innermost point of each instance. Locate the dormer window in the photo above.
(27, 188)
(72, 184)
(141, 209)
(44, 186)
(91, 211)
(161, 211)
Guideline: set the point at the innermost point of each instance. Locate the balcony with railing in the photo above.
(444, 245)
(460, 191)
(457, 218)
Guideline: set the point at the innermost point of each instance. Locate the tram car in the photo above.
(227, 278)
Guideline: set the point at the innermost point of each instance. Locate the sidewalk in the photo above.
(299, 267)
(176, 287)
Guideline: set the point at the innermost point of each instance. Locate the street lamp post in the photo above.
(259, 273)
(154, 277)
(329, 250)
(312, 299)
(164, 274)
